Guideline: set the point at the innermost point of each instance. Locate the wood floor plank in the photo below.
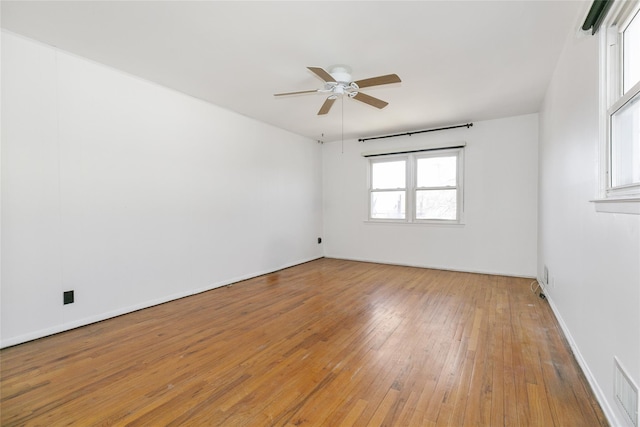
(329, 342)
(354, 413)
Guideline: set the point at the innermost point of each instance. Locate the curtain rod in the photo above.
(419, 150)
(596, 15)
(468, 125)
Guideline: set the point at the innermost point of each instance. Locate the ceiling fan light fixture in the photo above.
(341, 73)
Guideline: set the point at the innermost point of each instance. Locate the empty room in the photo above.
(320, 213)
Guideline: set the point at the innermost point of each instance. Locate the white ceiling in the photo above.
(459, 61)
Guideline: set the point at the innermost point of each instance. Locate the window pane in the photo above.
(436, 204)
(388, 175)
(625, 144)
(631, 53)
(388, 205)
(437, 172)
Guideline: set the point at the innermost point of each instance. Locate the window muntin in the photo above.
(419, 187)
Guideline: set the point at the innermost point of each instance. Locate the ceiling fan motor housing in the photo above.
(343, 84)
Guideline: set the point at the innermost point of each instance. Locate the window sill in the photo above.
(629, 205)
(423, 223)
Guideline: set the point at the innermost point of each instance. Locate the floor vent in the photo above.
(626, 393)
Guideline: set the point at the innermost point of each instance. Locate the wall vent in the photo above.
(626, 393)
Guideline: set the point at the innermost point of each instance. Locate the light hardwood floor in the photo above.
(326, 343)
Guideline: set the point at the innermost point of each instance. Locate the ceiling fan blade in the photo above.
(367, 99)
(380, 80)
(326, 106)
(322, 74)
(295, 93)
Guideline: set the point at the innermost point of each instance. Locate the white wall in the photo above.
(593, 258)
(499, 234)
(132, 194)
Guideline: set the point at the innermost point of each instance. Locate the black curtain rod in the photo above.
(596, 15)
(422, 150)
(468, 125)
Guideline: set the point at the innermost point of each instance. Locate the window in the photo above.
(436, 192)
(424, 186)
(621, 139)
(388, 188)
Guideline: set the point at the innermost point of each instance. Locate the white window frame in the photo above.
(625, 198)
(407, 185)
(411, 189)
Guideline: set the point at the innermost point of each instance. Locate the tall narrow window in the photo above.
(623, 107)
(388, 189)
(437, 187)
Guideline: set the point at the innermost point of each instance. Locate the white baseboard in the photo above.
(597, 391)
(129, 309)
(434, 267)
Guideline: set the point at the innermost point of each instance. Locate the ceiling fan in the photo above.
(338, 82)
